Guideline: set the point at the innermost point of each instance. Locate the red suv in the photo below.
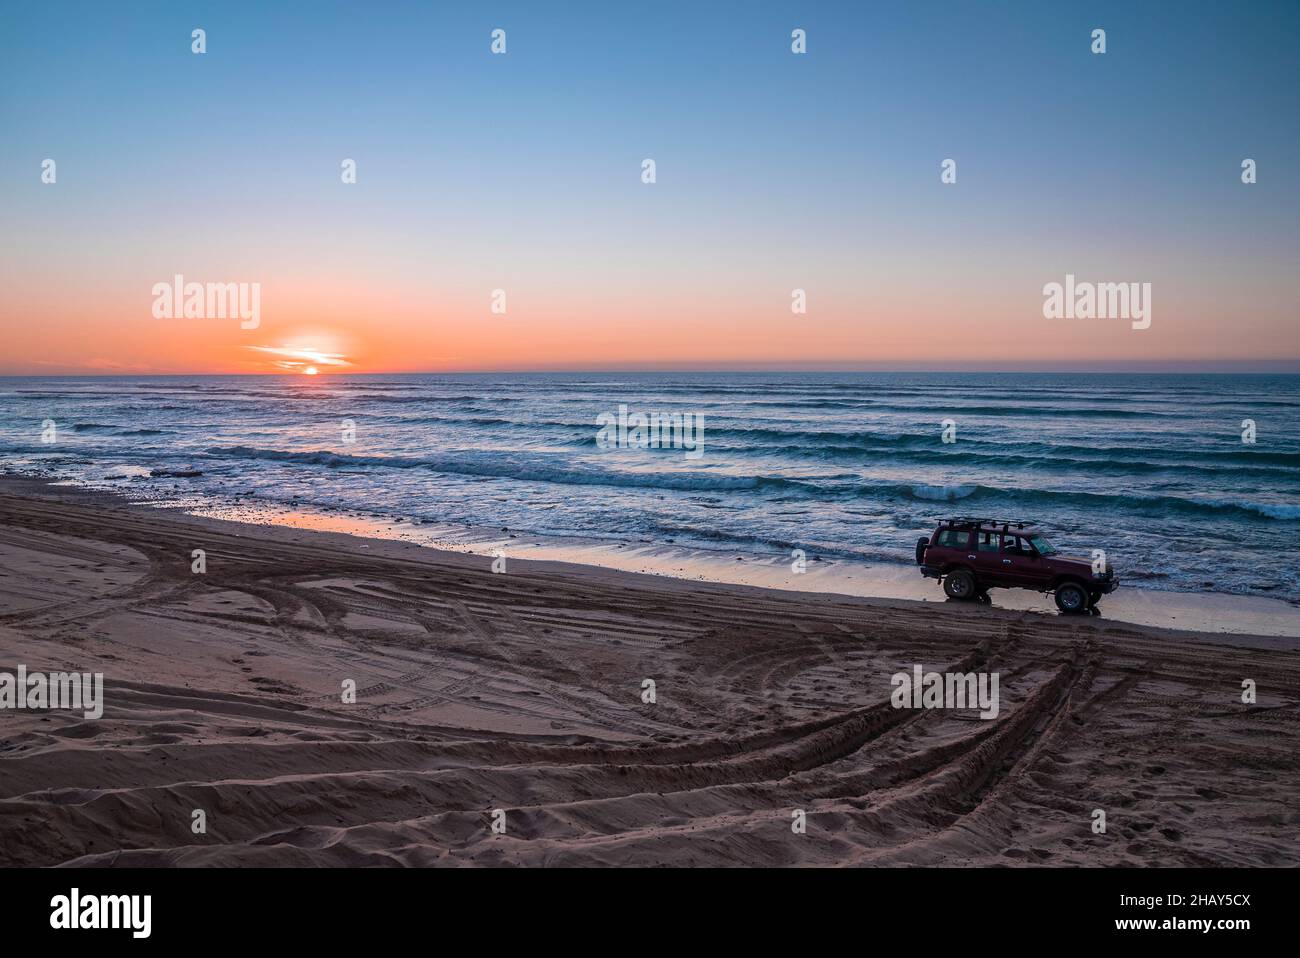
(972, 555)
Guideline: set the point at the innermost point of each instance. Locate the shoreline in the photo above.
(1207, 612)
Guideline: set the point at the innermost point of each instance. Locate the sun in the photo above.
(310, 371)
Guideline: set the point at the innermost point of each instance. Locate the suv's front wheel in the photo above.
(1071, 597)
(959, 585)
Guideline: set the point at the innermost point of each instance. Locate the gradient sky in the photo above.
(522, 172)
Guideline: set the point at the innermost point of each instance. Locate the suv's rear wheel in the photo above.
(1071, 597)
(959, 585)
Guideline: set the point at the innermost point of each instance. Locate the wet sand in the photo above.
(523, 692)
(1240, 615)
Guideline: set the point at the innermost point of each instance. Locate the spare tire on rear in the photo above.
(922, 544)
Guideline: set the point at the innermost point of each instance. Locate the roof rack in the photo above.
(985, 521)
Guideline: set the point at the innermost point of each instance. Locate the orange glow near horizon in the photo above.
(344, 329)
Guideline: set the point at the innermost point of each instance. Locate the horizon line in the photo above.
(1130, 367)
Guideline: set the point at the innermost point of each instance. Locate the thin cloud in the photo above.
(293, 357)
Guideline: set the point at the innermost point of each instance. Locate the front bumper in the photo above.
(1106, 586)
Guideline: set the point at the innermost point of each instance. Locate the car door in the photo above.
(950, 547)
(1037, 570)
(1021, 566)
(986, 557)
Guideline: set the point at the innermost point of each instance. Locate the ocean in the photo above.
(1150, 468)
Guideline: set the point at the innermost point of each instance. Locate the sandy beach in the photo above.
(522, 691)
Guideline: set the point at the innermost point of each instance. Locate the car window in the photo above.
(954, 538)
(1014, 545)
(988, 542)
(1044, 547)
